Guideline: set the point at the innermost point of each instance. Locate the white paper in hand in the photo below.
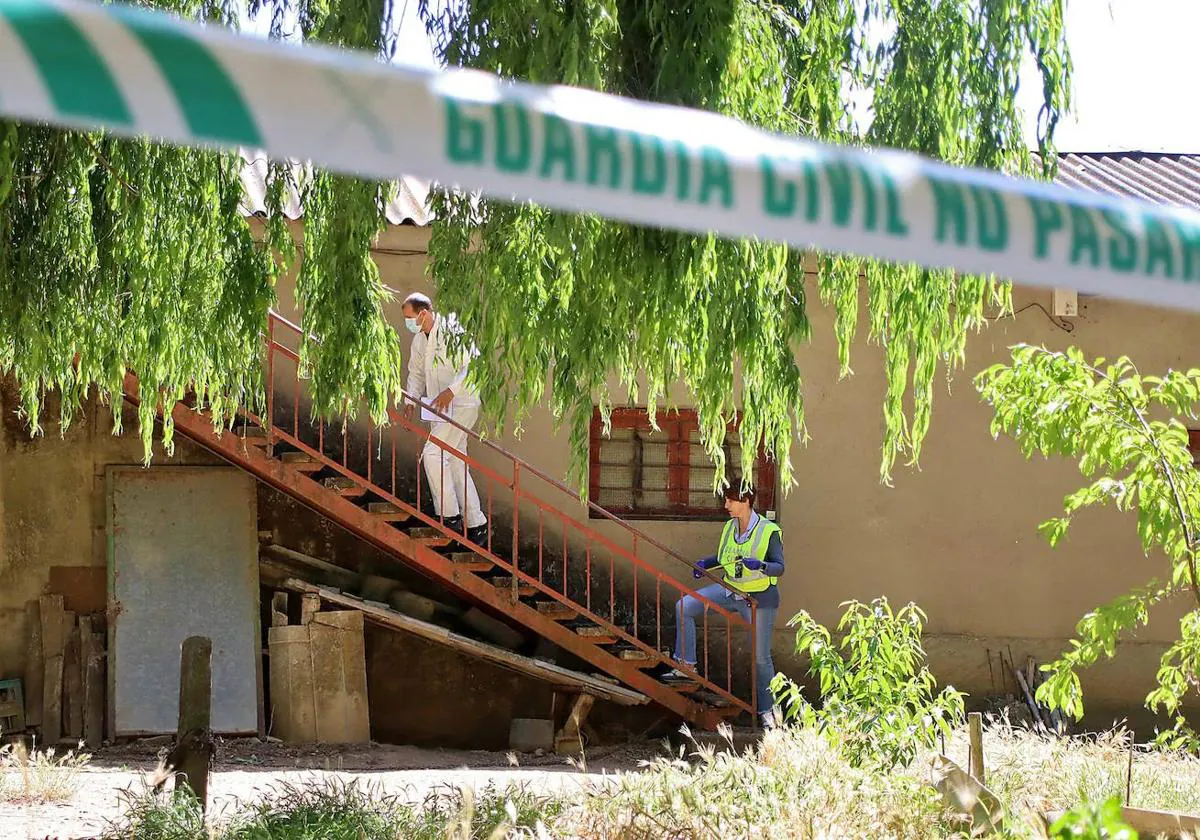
(427, 415)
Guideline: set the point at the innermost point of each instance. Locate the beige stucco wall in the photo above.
(958, 534)
(52, 508)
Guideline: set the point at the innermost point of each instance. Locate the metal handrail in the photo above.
(525, 467)
(568, 523)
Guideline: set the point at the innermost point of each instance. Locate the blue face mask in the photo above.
(413, 326)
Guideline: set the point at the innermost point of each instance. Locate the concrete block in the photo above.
(377, 587)
(493, 630)
(531, 734)
(410, 603)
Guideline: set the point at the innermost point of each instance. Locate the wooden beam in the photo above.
(975, 719)
(72, 680)
(554, 674)
(52, 655)
(569, 739)
(35, 664)
(92, 655)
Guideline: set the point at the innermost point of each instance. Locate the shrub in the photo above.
(877, 697)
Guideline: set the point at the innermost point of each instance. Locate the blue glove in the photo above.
(752, 564)
(697, 571)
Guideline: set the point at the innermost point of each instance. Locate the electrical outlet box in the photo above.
(1066, 303)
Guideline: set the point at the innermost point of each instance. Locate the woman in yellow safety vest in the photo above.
(751, 556)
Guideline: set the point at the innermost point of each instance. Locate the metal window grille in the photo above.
(638, 472)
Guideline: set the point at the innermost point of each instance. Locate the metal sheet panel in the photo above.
(183, 561)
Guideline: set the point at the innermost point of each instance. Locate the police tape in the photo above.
(138, 73)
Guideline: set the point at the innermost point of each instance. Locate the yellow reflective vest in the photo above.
(731, 553)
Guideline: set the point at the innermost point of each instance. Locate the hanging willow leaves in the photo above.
(578, 302)
(119, 255)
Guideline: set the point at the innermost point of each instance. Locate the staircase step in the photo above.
(345, 487)
(595, 633)
(302, 461)
(251, 435)
(504, 582)
(388, 512)
(431, 537)
(637, 656)
(470, 561)
(556, 610)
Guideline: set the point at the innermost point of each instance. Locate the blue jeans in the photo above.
(689, 608)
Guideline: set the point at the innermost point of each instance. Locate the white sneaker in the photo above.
(767, 720)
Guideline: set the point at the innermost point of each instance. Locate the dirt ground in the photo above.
(248, 768)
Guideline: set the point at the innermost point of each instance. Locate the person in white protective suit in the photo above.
(441, 380)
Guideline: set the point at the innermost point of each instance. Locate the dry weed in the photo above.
(39, 776)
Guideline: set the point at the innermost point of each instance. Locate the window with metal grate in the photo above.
(638, 472)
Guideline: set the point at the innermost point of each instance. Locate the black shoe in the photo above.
(478, 534)
(454, 523)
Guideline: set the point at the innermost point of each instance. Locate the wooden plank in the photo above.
(556, 610)
(388, 512)
(92, 656)
(1029, 701)
(52, 700)
(35, 664)
(84, 588)
(975, 721)
(548, 671)
(345, 576)
(52, 616)
(310, 605)
(569, 739)
(1148, 823)
(279, 609)
(72, 681)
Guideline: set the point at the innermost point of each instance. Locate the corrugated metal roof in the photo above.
(410, 205)
(1156, 177)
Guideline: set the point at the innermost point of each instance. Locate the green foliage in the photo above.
(119, 254)
(1088, 821)
(1109, 417)
(336, 809)
(144, 816)
(581, 303)
(877, 697)
(330, 810)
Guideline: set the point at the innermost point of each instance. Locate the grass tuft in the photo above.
(41, 776)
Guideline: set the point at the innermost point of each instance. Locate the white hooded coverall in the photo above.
(431, 371)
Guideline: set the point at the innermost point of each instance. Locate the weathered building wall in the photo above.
(52, 501)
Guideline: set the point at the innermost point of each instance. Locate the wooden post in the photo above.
(92, 654)
(975, 721)
(310, 605)
(195, 705)
(72, 703)
(35, 665)
(570, 739)
(52, 657)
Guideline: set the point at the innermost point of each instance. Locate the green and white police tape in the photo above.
(134, 72)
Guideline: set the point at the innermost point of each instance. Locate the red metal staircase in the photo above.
(600, 591)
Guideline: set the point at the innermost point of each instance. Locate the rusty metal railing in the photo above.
(615, 580)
